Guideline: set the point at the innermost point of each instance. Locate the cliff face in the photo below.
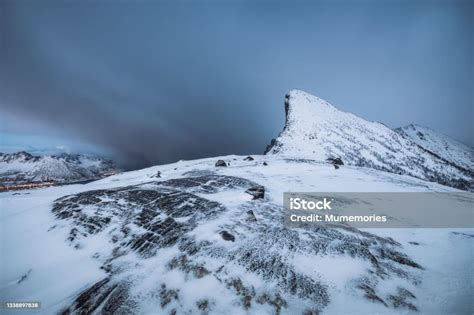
(315, 129)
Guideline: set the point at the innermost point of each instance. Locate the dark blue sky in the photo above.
(153, 82)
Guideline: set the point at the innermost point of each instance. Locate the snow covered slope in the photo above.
(439, 144)
(24, 168)
(314, 129)
(186, 238)
(192, 237)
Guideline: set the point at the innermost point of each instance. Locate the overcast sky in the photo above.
(155, 82)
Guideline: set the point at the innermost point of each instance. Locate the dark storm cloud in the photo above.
(159, 81)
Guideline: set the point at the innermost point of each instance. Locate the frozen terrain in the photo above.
(24, 168)
(208, 237)
(186, 238)
(315, 129)
(439, 144)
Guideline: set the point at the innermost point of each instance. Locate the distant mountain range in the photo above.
(315, 129)
(23, 168)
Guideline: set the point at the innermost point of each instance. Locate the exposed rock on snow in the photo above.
(314, 129)
(251, 216)
(156, 175)
(221, 163)
(336, 162)
(227, 236)
(258, 192)
(163, 223)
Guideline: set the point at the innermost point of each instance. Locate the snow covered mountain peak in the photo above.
(315, 129)
(300, 108)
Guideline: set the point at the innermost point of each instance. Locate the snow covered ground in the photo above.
(41, 263)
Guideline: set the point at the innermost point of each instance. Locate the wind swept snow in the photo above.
(136, 243)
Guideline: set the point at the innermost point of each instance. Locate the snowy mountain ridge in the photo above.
(315, 129)
(24, 168)
(439, 144)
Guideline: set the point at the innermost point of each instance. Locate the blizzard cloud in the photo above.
(158, 82)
